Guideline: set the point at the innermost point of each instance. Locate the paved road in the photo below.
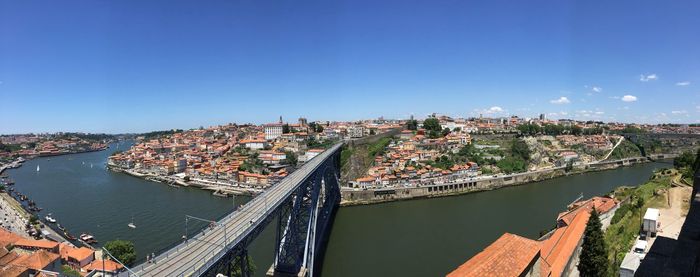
(10, 218)
(188, 258)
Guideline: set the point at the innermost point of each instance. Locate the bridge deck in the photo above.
(191, 258)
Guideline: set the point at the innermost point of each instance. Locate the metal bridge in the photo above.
(303, 203)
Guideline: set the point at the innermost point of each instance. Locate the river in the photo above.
(427, 237)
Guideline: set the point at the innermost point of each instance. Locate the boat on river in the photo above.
(50, 219)
(69, 236)
(87, 238)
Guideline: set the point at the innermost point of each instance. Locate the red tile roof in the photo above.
(32, 243)
(7, 237)
(558, 249)
(38, 260)
(510, 255)
(108, 265)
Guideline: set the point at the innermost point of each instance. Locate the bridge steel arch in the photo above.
(304, 217)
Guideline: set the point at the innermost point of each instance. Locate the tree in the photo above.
(520, 149)
(445, 132)
(285, 129)
(123, 250)
(68, 271)
(33, 219)
(576, 130)
(594, 254)
(291, 157)
(432, 124)
(685, 159)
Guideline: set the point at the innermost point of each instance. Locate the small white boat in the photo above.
(50, 219)
(131, 224)
(37, 168)
(87, 238)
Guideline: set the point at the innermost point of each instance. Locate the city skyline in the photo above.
(138, 67)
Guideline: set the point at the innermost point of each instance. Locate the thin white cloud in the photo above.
(589, 114)
(647, 78)
(679, 112)
(494, 109)
(683, 84)
(597, 89)
(561, 100)
(629, 98)
(490, 111)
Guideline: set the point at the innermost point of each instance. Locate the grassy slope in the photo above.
(356, 159)
(620, 236)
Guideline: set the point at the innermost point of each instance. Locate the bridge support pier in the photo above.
(303, 208)
(271, 273)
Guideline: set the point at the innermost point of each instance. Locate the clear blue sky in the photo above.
(131, 66)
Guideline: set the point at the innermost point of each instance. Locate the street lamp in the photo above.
(211, 222)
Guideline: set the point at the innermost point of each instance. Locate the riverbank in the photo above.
(14, 217)
(353, 197)
(218, 187)
(18, 163)
(94, 200)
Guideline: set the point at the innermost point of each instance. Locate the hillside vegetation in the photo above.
(356, 158)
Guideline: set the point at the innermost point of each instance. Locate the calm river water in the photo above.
(426, 237)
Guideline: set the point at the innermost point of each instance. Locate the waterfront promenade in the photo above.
(461, 184)
(196, 254)
(13, 217)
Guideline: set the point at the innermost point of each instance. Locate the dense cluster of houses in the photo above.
(593, 142)
(31, 146)
(222, 152)
(407, 161)
(20, 256)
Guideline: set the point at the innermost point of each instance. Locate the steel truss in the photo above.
(303, 225)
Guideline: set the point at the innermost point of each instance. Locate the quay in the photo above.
(218, 187)
(355, 196)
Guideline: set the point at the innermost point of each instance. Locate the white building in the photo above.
(254, 144)
(273, 131)
(356, 131)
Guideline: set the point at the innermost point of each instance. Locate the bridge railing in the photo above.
(271, 208)
(216, 253)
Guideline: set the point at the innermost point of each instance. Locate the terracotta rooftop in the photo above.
(37, 260)
(109, 265)
(557, 250)
(80, 254)
(7, 237)
(510, 255)
(13, 270)
(42, 243)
